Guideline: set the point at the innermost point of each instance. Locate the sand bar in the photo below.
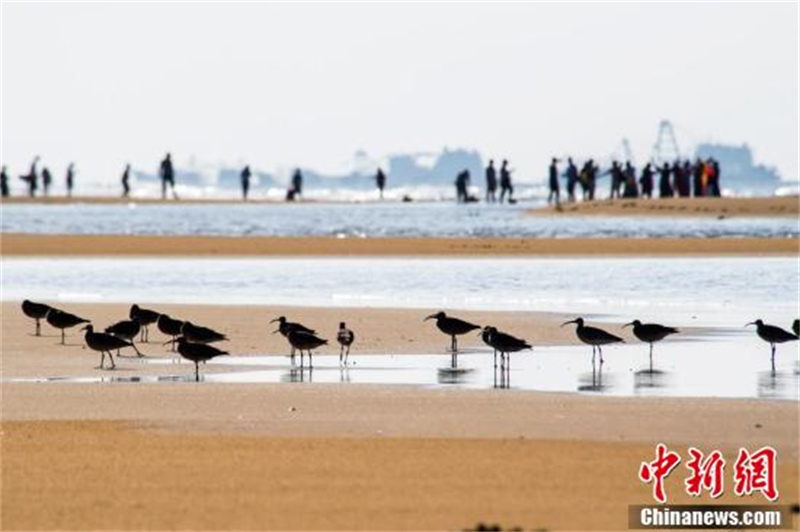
(14, 244)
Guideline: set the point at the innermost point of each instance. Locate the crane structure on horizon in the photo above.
(666, 147)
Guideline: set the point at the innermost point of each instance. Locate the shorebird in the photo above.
(304, 341)
(345, 337)
(126, 330)
(37, 311)
(650, 333)
(452, 327)
(105, 343)
(63, 320)
(200, 335)
(197, 353)
(170, 327)
(285, 327)
(772, 335)
(593, 336)
(504, 343)
(145, 318)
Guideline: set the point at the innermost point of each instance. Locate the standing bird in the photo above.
(37, 311)
(145, 318)
(504, 343)
(304, 341)
(126, 330)
(345, 337)
(593, 336)
(452, 327)
(200, 335)
(170, 327)
(105, 343)
(63, 320)
(650, 333)
(197, 353)
(772, 335)
(285, 327)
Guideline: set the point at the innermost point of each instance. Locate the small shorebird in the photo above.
(63, 320)
(105, 343)
(593, 336)
(285, 327)
(200, 335)
(504, 343)
(171, 327)
(452, 327)
(345, 337)
(37, 311)
(650, 333)
(772, 335)
(304, 341)
(197, 353)
(145, 318)
(126, 330)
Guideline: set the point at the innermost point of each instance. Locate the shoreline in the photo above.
(24, 245)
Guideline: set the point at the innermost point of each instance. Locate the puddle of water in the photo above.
(729, 365)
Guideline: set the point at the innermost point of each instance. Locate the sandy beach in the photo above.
(12, 244)
(788, 206)
(286, 456)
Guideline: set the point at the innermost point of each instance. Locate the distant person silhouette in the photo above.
(491, 182)
(4, 192)
(167, 174)
(126, 176)
(297, 183)
(70, 179)
(555, 189)
(646, 181)
(380, 181)
(572, 179)
(698, 172)
(32, 178)
(592, 178)
(245, 177)
(505, 183)
(664, 186)
(462, 185)
(715, 188)
(617, 179)
(686, 179)
(47, 180)
(631, 186)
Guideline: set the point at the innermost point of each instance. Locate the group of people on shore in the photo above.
(34, 180)
(681, 178)
(506, 188)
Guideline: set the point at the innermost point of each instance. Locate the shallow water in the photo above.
(687, 291)
(731, 365)
(368, 219)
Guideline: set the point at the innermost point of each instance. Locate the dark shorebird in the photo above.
(304, 341)
(593, 336)
(105, 343)
(126, 330)
(145, 317)
(345, 337)
(650, 333)
(772, 335)
(171, 327)
(504, 343)
(200, 335)
(285, 327)
(63, 320)
(36, 311)
(452, 327)
(197, 353)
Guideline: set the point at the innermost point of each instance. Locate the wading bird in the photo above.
(772, 335)
(285, 327)
(125, 329)
(171, 327)
(63, 320)
(593, 336)
(145, 318)
(650, 333)
(105, 343)
(200, 335)
(304, 341)
(197, 353)
(452, 327)
(36, 311)
(504, 343)
(345, 337)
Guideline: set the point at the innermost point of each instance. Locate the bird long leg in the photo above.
(38, 327)
(651, 357)
(196, 371)
(593, 354)
(301, 358)
(341, 354)
(102, 359)
(773, 357)
(62, 337)
(310, 359)
(600, 350)
(111, 358)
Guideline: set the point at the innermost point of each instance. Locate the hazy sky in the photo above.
(278, 85)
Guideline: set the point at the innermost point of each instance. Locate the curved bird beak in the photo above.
(751, 323)
(431, 317)
(274, 321)
(276, 331)
(568, 322)
(84, 328)
(167, 342)
(627, 325)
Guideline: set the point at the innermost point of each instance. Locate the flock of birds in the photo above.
(193, 342)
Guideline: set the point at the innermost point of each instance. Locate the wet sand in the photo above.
(178, 456)
(12, 244)
(788, 206)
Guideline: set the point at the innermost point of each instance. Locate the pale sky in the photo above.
(277, 85)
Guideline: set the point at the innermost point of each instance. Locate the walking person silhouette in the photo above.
(245, 178)
(555, 189)
(126, 175)
(505, 183)
(491, 182)
(70, 179)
